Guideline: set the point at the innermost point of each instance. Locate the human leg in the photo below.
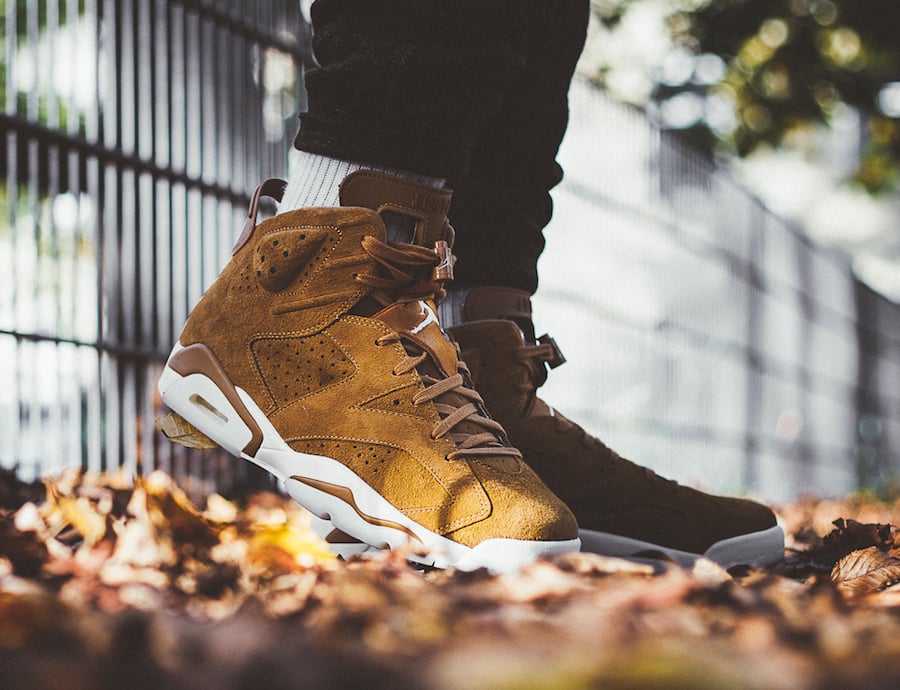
(407, 84)
(501, 206)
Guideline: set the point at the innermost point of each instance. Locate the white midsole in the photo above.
(323, 528)
(757, 548)
(224, 425)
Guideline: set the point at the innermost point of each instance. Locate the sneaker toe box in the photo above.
(522, 507)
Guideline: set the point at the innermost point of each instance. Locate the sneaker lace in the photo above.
(536, 360)
(409, 270)
(410, 273)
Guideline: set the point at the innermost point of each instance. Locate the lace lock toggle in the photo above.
(444, 269)
(556, 356)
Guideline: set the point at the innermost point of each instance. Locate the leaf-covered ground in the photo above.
(104, 585)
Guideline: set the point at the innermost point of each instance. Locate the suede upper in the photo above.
(285, 322)
(605, 492)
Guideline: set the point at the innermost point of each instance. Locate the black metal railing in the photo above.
(133, 132)
(725, 347)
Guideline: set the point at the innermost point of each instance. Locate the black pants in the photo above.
(471, 90)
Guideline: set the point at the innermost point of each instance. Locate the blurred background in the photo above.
(721, 269)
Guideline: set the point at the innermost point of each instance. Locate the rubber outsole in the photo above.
(757, 548)
(329, 489)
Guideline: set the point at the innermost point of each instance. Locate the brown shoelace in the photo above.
(409, 270)
(408, 274)
(535, 358)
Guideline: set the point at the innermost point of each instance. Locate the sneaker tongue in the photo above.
(417, 321)
(383, 193)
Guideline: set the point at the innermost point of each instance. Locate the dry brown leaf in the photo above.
(220, 509)
(577, 620)
(585, 563)
(83, 515)
(710, 573)
(24, 551)
(14, 492)
(171, 511)
(28, 519)
(866, 571)
(180, 431)
(850, 535)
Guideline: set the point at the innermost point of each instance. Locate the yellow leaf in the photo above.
(289, 546)
(83, 516)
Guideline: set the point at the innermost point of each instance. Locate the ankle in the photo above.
(314, 180)
(476, 303)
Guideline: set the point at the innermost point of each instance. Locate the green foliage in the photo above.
(795, 63)
(31, 26)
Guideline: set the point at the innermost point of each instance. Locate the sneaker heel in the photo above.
(204, 410)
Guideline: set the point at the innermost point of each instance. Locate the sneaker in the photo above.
(622, 509)
(317, 354)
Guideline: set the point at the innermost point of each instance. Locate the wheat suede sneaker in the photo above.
(317, 354)
(622, 509)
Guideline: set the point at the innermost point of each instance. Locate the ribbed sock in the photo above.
(314, 180)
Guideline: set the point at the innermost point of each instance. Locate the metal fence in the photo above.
(133, 132)
(706, 338)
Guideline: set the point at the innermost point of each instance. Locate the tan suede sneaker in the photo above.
(317, 354)
(622, 509)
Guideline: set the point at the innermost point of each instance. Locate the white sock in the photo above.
(314, 180)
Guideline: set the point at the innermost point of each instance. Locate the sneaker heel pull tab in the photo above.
(274, 188)
(556, 356)
(178, 430)
(444, 270)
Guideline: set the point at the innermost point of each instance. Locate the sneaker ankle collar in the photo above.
(491, 302)
(382, 192)
(273, 187)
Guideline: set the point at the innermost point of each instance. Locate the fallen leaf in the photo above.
(866, 571)
(83, 516)
(220, 509)
(171, 511)
(14, 492)
(286, 548)
(24, 550)
(585, 563)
